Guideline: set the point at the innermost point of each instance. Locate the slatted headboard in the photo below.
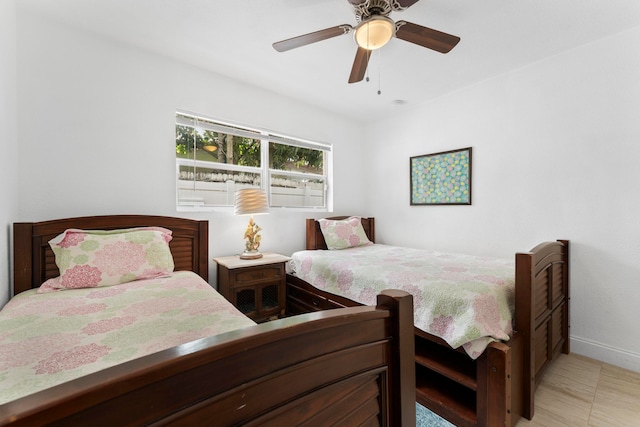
(34, 261)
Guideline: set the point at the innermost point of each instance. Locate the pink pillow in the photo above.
(92, 258)
(345, 233)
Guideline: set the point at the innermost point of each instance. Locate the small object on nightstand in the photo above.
(251, 201)
(255, 286)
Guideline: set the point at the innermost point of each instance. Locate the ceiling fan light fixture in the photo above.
(375, 32)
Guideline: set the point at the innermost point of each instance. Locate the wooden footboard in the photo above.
(481, 392)
(542, 311)
(352, 366)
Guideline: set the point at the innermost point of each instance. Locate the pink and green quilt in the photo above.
(50, 338)
(466, 300)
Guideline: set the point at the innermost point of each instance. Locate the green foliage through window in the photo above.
(291, 158)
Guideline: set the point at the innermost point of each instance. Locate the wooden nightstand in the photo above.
(256, 287)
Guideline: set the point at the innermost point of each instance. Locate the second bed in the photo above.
(485, 328)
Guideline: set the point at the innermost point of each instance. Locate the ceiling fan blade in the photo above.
(426, 37)
(316, 36)
(402, 4)
(357, 2)
(359, 65)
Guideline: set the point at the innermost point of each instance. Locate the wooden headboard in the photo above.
(315, 239)
(34, 261)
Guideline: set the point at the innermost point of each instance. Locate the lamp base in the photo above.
(251, 255)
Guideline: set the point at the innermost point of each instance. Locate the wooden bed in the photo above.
(352, 366)
(497, 388)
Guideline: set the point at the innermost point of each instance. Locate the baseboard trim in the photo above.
(606, 353)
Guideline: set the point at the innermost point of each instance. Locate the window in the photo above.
(215, 159)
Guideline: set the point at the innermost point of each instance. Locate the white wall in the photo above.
(556, 147)
(97, 135)
(8, 141)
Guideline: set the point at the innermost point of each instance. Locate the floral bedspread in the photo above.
(50, 338)
(466, 300)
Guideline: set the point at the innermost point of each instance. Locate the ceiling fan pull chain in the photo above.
(367, 78)
(379, 70)
(369, 53)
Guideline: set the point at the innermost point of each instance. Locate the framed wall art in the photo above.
(441, 178)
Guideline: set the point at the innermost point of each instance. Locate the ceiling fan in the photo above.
(373, 30)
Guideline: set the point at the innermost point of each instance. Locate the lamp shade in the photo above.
(375, 32)
(251, 201)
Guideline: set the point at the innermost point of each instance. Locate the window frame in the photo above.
(264, 171)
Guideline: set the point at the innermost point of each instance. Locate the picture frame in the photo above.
(441, 178)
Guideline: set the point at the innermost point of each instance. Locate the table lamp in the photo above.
(251, 201)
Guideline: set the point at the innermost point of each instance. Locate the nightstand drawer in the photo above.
(258, 274)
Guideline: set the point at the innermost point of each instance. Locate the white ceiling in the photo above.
(234, 38)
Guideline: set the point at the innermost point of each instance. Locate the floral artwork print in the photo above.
(441, 178)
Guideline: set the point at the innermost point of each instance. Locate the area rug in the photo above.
(426, 418)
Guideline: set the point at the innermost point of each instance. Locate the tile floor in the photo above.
(577, 391)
